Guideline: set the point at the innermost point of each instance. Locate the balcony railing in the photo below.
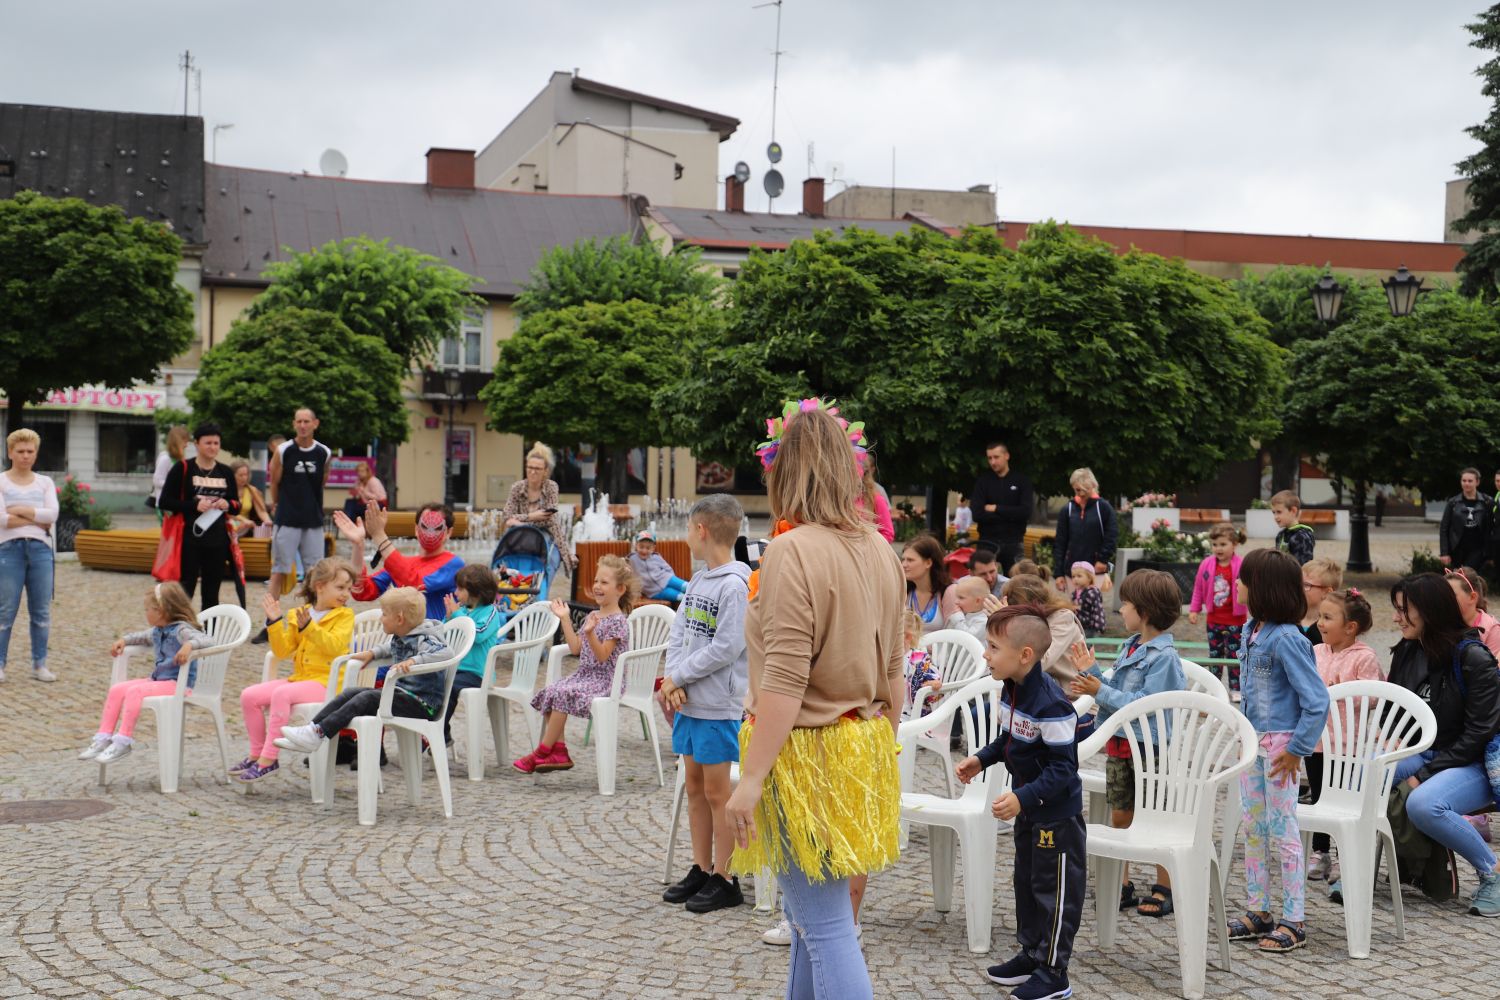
(470, 382)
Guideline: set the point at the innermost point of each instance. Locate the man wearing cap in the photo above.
(432, 572)
(658, 582)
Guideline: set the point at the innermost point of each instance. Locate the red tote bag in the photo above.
(168, 563)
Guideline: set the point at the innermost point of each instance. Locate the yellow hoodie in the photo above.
(312, 649)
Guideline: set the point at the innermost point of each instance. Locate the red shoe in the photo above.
(526, 764)
(557, 760)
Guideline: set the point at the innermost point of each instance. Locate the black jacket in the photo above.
(1468, 712)
(1013, 500)
(186, 482)
(1451, 532)
(1038, 745)
(1089, 539)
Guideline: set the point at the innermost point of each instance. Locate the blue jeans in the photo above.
(1492, 768)
(826, 962)
(1438, 806)
(673, 591)
(26, 562)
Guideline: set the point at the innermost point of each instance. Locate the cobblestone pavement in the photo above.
(537, 887)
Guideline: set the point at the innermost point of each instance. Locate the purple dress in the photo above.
(576, 692)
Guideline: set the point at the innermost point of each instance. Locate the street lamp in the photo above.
(1327, 296)
(1401, 291)
(453, 386)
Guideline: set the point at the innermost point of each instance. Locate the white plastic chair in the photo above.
(634, 687)
(1210, 743)
(966, 819)
(229, 627)
(529, 634)
(958, 658)
(765, 882)
(1371, 725)
(368, 730)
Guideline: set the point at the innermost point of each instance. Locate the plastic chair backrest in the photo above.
(981, 706)
(368, 632)
(638, 667)
(530, 635)
(1371, 725)
(1204, 681)
(458, 633)
(228, 626)
(957, 656)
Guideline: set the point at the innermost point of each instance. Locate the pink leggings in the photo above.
(123, 704)
(277, 697)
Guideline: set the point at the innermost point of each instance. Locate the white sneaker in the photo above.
(113, 752)
(1317, 867)
(780, 934)
(43, 674)
(2, 675)
(299, 739)
(95, 748)
(859, 931)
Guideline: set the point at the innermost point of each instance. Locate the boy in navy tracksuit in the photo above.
(1038, 746)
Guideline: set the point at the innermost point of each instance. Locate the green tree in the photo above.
(1480, 266)
(1073, 354)
(615, 270)
(86, 296)
(1400, 400)
(410, 300)
(302, 357)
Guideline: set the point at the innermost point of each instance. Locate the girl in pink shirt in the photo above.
(1214, 591)
(1473, 602)
(1343, 616)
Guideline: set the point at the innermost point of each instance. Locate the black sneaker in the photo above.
(260, 638)
(1013, 973)
(687, 888)
(717, 894)
(1046, 983)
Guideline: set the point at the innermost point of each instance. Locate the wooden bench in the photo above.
(673, 550)
(1203, 515)
(134, 551)
(1033, 536)
(1313, 518)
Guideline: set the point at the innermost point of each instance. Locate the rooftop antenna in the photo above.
(186, 65)
(333, 163)
(775, 87)
(198, 89)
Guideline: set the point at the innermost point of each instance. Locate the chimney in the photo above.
(450, 168)
(812, 197)
(734, 194)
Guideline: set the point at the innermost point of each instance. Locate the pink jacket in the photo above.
(883, 522)
(1355, 662)
(1203, 586)
(1489, 631)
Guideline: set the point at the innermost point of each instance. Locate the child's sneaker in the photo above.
(255, 772)
(1046, 983)
(1317, 867)
(526, 764)
(718, 893)
(557, 760)
(781, 934)
(113, 752)
(95, 748)
(1014, 972)
(43, 674)
(300, 739)
(687, 888)
(236, 769)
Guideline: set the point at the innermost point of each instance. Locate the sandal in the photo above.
(1286, 937)
(1160, 898)
(1128, 898)
(1249, 928)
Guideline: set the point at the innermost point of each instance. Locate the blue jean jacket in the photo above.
(1281, 689)
(1153, 667)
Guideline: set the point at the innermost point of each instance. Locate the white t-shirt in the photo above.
(40, 493)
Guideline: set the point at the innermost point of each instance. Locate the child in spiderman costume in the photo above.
(433, 572)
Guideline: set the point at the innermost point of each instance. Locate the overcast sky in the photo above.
(1340, 119)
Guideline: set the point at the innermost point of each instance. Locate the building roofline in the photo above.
(725, 125)
(304, 175)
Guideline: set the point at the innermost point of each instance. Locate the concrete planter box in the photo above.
(1182, 572)
(1260, 523)
(1124, 560)
(1142, 517)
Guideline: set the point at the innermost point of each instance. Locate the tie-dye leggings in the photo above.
(1270, 813)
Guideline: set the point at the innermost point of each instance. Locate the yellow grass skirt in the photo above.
(831, 805)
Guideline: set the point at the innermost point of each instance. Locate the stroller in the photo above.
(524, 561)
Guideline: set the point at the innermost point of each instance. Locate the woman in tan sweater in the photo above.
(819, 797)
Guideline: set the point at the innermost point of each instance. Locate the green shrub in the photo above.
(1423, 561)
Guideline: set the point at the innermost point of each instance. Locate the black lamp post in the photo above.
(453, 386)
(1327, 296)
(1401, 291)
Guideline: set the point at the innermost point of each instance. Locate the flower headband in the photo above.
(1354, 592)
(776, 427)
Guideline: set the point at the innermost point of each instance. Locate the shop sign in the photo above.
(143, 400)
(343, 470)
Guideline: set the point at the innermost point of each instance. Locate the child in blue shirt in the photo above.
(473, 597)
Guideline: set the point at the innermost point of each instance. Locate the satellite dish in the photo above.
(333, 163)
(774, 183)
(773, 152)
(742, 172)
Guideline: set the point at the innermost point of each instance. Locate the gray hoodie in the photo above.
(706, 647)
(422, 645)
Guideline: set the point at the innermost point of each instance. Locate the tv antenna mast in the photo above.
(776, 53)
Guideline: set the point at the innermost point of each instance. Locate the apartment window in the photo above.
(127, 445)
(465, 350)
(52, 456)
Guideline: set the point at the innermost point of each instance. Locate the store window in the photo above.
(52, 456)
(465, 350)
(127, 445)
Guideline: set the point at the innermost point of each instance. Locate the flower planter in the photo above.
(1125, 561)
(68, 527)
(1182, 572)
(1141, 518)
(1260, 523)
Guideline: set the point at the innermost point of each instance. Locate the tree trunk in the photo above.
(16, 403)
(611, 473)
(385, 470)
(1286, 465)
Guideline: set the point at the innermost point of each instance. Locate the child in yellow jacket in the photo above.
(312, 636)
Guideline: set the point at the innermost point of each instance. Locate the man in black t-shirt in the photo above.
(1001, 501)
(297, 480)
(202, 490)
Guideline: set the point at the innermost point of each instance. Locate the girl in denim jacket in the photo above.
(1287, 703)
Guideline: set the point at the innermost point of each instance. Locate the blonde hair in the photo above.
(407, 602)
(1027, 589)
(23, 435)
(1084, 478)
(1325, 571)
(172, 601)
(911, 625)
(625, 577)
(176, 441)
(1226, 530)
(1287, 499)
(974, 583)
(323, 571)
(814, 479)
(543, 452)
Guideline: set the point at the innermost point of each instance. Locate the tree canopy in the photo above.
(1480, 266)
(1151, 374)
(615, 270)
(87, 296)
(292, 357)
(410, 300)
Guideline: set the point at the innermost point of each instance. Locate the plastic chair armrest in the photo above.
(119, 667)
(268, 670)
(554, 662)
(492, 662)
(388, 691)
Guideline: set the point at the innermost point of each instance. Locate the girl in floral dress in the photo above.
(605, 634)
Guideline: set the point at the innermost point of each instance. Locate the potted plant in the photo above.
(1175, 552)
(1258, 520)
(75, 509)
(1148, 508)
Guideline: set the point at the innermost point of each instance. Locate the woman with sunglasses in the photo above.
(1441, 659)
(1473, 603)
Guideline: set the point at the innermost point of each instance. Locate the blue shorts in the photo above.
(707, 741)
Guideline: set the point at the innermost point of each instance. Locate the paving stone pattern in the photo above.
(537, 887)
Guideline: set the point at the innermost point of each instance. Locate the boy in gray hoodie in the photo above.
(707, 675)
